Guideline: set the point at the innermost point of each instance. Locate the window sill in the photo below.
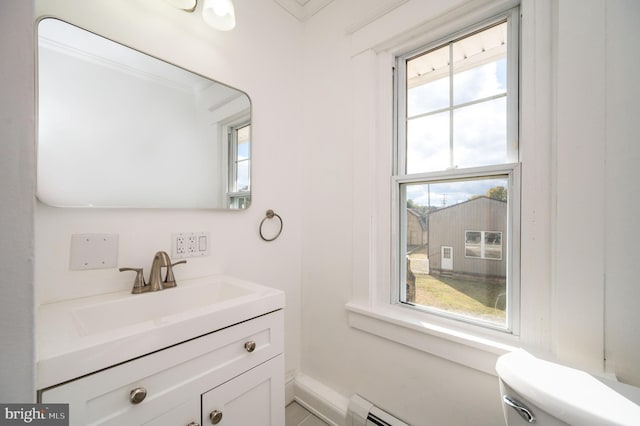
(414, 329)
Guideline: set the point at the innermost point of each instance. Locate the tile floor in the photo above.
(297, 415)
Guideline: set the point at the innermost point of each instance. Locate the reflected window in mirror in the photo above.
(239, 166)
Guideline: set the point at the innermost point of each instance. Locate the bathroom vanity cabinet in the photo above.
(233, 376)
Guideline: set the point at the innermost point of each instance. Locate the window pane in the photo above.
(428, 82)
(428, 147)
(243, 142)
(480, 82)
(242, 183)
(243, 150)
(480, 134)
(493, 245)
(479, 65)
(243, 133)
(241, 202)
(242, 177)
(428, 97)
(472, 245)
(479, 72)
(453, 232)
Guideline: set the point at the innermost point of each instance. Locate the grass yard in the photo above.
(471, 298)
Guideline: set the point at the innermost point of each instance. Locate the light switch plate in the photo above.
(93, 251)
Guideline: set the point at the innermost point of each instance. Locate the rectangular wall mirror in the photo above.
(121, 129)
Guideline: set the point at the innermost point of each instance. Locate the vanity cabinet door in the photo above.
(254, 398)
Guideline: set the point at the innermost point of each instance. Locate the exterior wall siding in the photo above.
(416, 234)
(447, 228)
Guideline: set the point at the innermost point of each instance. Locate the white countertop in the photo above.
(66, 349)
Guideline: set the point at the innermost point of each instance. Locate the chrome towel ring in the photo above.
(270, 215)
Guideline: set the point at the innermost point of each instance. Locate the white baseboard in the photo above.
(289, 387)
(319, 399)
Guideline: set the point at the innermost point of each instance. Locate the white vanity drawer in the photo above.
(171, 376)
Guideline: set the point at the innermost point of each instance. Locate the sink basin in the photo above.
(157, 307)
(80, 336)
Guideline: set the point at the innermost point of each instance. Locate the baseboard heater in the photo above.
(363, 413)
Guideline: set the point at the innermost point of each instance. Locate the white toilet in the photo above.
(544, 393)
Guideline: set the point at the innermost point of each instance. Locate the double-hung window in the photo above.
(239, 192)
(456, 175)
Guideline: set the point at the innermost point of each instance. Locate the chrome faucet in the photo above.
(156, 283)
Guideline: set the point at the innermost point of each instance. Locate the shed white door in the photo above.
(446, 258)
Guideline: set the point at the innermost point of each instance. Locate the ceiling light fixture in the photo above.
(218, 14)
(186, 5)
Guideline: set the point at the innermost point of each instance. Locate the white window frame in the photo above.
(510, 171)
(512, 246)
(233, 193)
(227, 128)
(370, 308)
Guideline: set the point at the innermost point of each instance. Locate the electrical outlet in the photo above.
(180, 245)
(190, 244)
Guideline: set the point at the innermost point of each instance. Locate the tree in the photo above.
(497, 193)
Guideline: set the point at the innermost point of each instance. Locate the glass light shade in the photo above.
(219, 14)
(186, 5)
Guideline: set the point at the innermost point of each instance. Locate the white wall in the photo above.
(622, 193)
(578, 218)
(17, 177)
(262, 60)
(598, 200)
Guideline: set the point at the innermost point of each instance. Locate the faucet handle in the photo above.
(138, 282)
(170, 280)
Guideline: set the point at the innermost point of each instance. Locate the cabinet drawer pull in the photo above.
(137, 395)
(215, 416)
(250, 346)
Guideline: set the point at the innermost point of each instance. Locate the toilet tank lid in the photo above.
(570, 395)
